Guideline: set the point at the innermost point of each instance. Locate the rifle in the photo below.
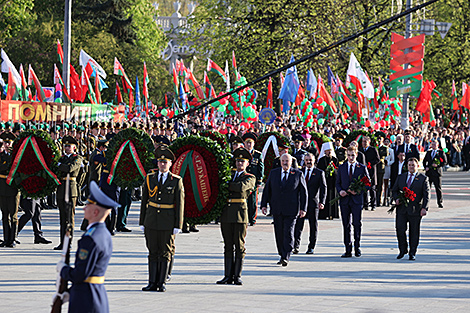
(62, 284)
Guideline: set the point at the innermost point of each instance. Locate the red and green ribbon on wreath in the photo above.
(118, 156)
(37, 152)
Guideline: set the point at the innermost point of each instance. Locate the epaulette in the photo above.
(256, 151)
(249, 174)
(90, 231)
(175, 176)
(152, 173)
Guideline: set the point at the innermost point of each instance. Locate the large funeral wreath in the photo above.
(357, 135)
(218, 173)
(129, 156)
(34, 164)
(270, 154)
(217, 137)
(318, 140)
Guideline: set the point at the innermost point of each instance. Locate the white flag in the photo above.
(228, 76)
(355, 70)
(7, 65)
(85, 58)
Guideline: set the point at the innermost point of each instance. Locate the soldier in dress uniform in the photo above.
(69, 166)
(88, 293)
(235, 218)
(161, 217)
(9, 196)
(95, 167)
(298, 152)
(383, 153)
(256, 167)
(340, 151)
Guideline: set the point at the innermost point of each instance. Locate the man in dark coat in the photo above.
(316, 186)
(412, 213)
(286, 192)
(433, 162)
(372, 159)
(410, 149)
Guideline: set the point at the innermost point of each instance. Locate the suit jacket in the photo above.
(372, 159)
(361, 158)
(287, 199)
(241, 188)
(420, 186)
(343, 182)
(412, 151)
(316, 187)
(394, 171)
(299, 155)
(170, 193)
(5, 189)
(428, 161)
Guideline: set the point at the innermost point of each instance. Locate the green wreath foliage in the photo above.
(217, 137)
(270, 155)
(127, 174)
(220, 172)
(31, 178)
(319, 138)
(355, 133)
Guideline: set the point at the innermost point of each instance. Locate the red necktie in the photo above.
(408, 183)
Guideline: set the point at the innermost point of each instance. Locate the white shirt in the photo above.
(163, 175)
(400, 166)
(353, 166)
(412, 177)
(287, 174)
(237, 174)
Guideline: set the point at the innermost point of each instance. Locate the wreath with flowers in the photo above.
(217, 137)
(270, 154)
(130, 155)
(357, 135)
(318, 140)
(33, 164)
(205, 183)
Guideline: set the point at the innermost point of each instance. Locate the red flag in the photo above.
(465, 101)
(118, 95)
(131, 100)
(60, 52)
(33, 80)
(213, 67)
(97, 89)
(175, 81)
(75, 85)
(424, 100)
(11, 86)
(119, 70)
(300, 97)
(145, 90)
(455, 102)
(269, 103)
(322, 92)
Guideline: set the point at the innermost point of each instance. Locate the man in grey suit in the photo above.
(413, 212)
(286, 193)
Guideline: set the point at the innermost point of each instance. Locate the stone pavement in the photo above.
(439, 281)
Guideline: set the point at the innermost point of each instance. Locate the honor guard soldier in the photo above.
(383, 153)
(69, 166)
(256, 167)
(9, 196)
(298, 152)
(340, 151)
(235, 218)
(88, 293)
(236, 142)
(161, 217)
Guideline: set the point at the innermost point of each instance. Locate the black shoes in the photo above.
(193, 229)
(150, 287)
(357, 252)
(346, 255)
(59, 247)
(440, 206)
(227, 280)
(412, 257)
(41, 240)
(284, 262)
(124, 230)
(295, 251)
(309, 251)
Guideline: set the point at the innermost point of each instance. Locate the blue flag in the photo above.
(291, 84)
(331, 76)
(183, 97)
(311, 82)
(137, 92)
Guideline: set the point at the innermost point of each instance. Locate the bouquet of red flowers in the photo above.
(330, 169)
(358, 185)
(438, 162)
(404, 196)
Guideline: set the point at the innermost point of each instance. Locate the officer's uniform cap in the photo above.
(242, 154)
(164, 153)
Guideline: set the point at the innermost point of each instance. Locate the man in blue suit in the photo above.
(286, 193)
(351, 202)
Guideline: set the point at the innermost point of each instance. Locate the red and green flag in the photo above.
(58, 81)
(175, 81)
(12, 93)
(34, 81)
(60, 52)
(213, 67)
(119, 70)
(455, 102)
(24, 85)
(465, 101)
(118, 95)
(88, 87)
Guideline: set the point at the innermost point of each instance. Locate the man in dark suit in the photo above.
(286, 193)
(298, 152)
(410, 149)
(372, 159)
(398, 167)
(433, 162)
(413, 212)
(350, 201)
(316, 186)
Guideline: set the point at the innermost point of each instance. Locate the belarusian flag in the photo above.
(210, 92)
(24, 85)
(359, 77)
(322, 92)
(145, 91)
(87, 84)
(118, 95)
(119, 70)
(33, 80)
(465, 101)
(194, 82)
(58, 80)
(213, 67)
(12, 93)
(455, 102)
(60, 52)
(175, 81)
(269, 101)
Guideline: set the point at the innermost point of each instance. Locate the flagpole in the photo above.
(67, 35)
(405, 120)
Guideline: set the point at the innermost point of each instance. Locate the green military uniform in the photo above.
(234, 220)
(9, 197)
(256, 167)
(383, 153)
(161, 213)
(68, 165)
(340, 151)
(95, 167)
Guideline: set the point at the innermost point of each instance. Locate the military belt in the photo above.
(3, 176)
(94, 280)
(236, 200)
(162, 206)
(106, 171)
(70, 178)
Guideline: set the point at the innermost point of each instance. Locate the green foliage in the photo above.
(14, 15)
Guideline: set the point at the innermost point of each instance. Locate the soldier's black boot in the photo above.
(228, 272)
(162, 275)
(170, 268)
(13, 234)
(6, 234)
(152, 286)
(238, 272)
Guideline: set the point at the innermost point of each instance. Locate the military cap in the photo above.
(99, 198)
(298, 137)
(110, 125)
(117, 125)
(380, 134)
(338, 135)
(17, 127)
(250, 137)
(236, 139)
(124, 125)
(155, 126)
(102, 142)
(95, 125)
(81, 128)
(69, 140)
(2, 125)
(66, 126)
(345, 132)
(164, 153)
(283, 146)
(8, 126)
(407, 132)
(7, 136)
(103, 125)
(242, 154)
(162, 140)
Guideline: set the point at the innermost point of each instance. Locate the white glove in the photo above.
(142, 227)
(63, 296)
(60, 265)
(176, 231)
